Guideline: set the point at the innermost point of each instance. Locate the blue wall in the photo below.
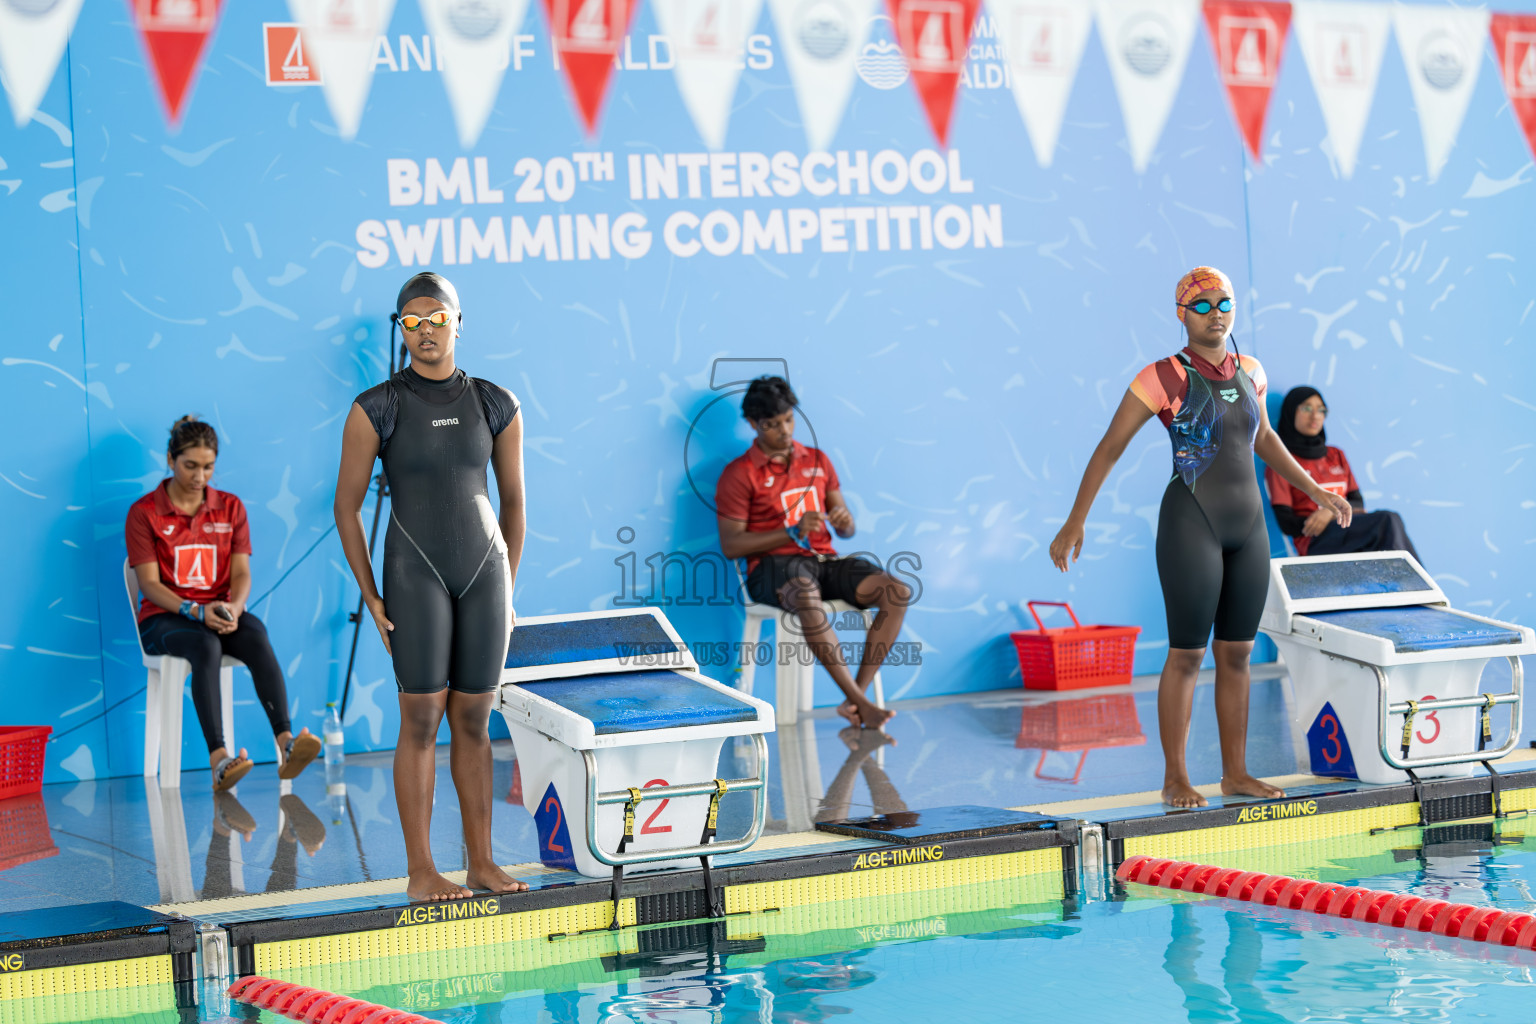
(214, 269)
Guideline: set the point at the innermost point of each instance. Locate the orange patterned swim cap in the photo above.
(1196, 281)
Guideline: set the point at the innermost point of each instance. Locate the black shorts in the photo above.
(838, 578)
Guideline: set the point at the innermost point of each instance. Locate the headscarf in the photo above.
(428, 285)
(1297, 443)
(1196, 281)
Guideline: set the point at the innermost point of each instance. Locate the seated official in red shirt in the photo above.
(1315, 532)
(775, 504)
(191, 548)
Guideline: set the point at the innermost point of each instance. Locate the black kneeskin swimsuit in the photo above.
(446, 581)
(1212, 545)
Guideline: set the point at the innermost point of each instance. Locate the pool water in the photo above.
(1015, 950)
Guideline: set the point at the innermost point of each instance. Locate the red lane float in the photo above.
(1396, 910)
(315, 1006)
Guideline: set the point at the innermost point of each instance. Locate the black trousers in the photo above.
(1368, 531)
(181, 637)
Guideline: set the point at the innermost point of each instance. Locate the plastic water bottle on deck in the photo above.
(335, 739)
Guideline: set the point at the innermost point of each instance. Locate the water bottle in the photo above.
(335, 739)
(336, 790)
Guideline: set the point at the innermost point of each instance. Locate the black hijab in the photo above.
(1297, 443)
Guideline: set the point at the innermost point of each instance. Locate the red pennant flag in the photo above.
(934, 36)
(1514, 47)
(588, 35)
(175, 32)
(1249, 36)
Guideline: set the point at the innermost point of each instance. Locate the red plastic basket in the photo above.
(1074, 657)
(24, 833)
(21, 758)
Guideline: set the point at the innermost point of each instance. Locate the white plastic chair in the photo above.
(794, 678)
(163, 703)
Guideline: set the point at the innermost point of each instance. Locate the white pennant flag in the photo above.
(1443, 51)
(1343, 44)
(474, 40)
(32, 38)
(1147, 42)
(822, 40)
(341, 37)
(708, 39)
(1044, 43)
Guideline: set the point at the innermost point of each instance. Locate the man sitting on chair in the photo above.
(775, 504)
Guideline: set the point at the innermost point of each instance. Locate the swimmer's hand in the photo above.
(376, 609)
(1342, 511)
(1070, 539)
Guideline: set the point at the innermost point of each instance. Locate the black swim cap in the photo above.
(427, 285)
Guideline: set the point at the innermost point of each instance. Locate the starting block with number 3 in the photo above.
(618, 742)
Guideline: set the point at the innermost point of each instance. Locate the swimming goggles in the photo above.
(442, 318)
(1202, 307)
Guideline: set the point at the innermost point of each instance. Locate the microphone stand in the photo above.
(381, 482)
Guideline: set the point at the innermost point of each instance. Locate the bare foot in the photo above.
(873, 717)
(495, 880)
(429, 886)
(1247, 785)
(1182, 794)
(848, 711)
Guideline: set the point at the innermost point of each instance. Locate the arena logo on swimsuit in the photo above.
(452, 421)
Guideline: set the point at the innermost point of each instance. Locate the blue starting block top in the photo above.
(578, 640)
(620, 702)
(1352, 578)
(1420, 628)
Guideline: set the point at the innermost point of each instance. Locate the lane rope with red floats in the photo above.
(315, 1006)
(1392, 909)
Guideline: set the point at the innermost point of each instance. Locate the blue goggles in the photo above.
(1203, 307)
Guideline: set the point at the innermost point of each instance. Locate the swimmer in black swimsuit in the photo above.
(449, 563)
(1212, 548)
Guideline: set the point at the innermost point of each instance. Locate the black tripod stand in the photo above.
(381, 482)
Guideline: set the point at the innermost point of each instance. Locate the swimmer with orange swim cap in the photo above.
(1212, 545)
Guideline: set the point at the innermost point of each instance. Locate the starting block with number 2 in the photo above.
(618, 741)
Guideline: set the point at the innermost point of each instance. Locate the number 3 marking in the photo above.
(1429, 717)
(648, 829)
(1333, 736)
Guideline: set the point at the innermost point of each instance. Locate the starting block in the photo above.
(1386, 676)
(618, 741)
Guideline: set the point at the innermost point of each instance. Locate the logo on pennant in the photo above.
(823, 42)
(1148, 45)
(288, 63)
(1342, 44)
(1044, 45)
(174, 33)
(823, 28)
(1343, 48)
(1249, 36)
(340, 36)
(474, 46)
(709, 39)
(1443, 49)
(933, 36)
(1442, 61)
(587, 35)
(1514, 44)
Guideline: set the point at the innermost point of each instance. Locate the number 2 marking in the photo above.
(553, 846)
(648, 829)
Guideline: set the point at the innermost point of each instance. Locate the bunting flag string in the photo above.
(1442, 48)
(1342, 45)
(340, 37)
(1147, 43)
(175, 33)
(1044, 43)
(821, 41)
(474, 40)
(587, 35)
(934, 36)
(31, 43)
(708, 39)
(1514, 48)
(1249, 37)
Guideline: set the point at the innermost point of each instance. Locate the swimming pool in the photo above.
(1015, 948)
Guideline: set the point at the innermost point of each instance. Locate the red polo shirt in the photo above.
(1331, 472)
(767, 494)
(193, 552)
